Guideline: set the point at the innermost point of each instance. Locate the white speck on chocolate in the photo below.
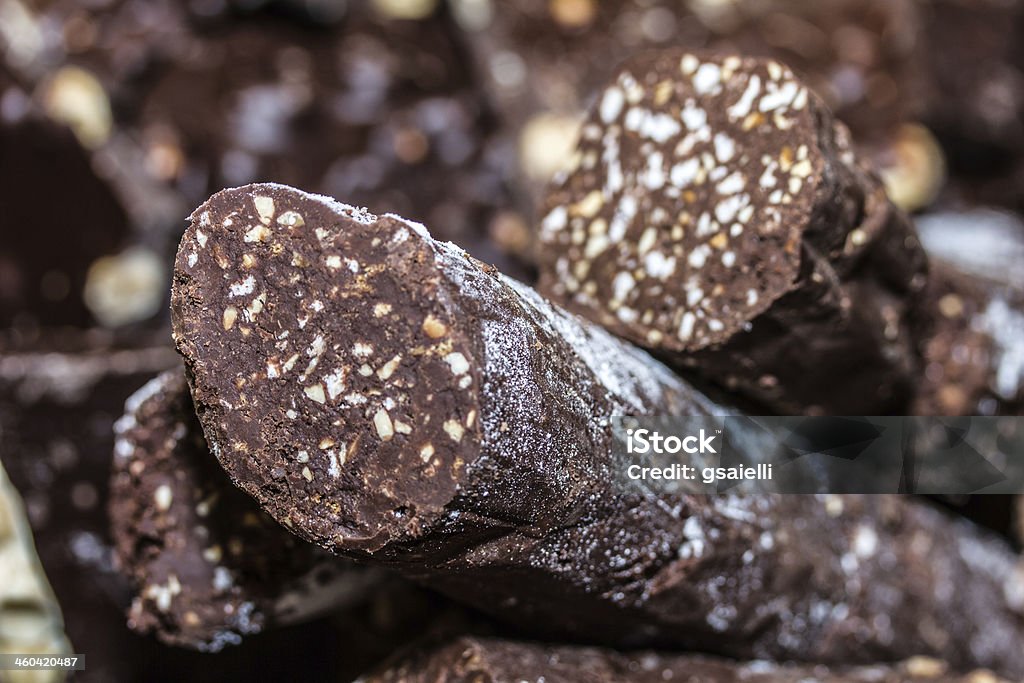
(335, 383)
(242, 288)
(611, 104)
(457, 362)
(291, 219)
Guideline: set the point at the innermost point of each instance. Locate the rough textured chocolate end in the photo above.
(694, 182)
(325, 359)
(208, 567)
(714, 212)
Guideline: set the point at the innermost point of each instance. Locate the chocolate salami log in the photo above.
(385, 396)
(470, 660)
(329, 349)
(207, 565)
(715, 214)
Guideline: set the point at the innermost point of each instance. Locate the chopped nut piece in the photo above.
(264, 208)
(406, 9)
(434, 328)
(573, 13)
(316, 393)
(126, 288)
(925, 667)
(290, 219)
(389, 368)
(546, 144)
(454, 429)
(382, 421)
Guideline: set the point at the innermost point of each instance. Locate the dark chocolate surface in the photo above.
(516, 509)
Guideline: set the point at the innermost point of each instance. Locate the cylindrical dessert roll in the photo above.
(207, 565)
(331, 351)
(471, 659)
(714, 213)
(385, 396)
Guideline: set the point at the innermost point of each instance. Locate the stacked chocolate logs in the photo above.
(386, 397)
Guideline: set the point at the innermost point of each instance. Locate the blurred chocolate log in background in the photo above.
(455, 426)
(715, 214)
(469, 660)
(57, 410)
(974, 347)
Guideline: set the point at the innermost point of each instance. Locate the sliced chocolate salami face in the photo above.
(207, 565)
(714, 212)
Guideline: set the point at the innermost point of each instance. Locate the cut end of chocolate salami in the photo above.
(326, 362)
(714, 212)
(684, 211)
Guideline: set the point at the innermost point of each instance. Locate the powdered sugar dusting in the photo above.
(632, 377)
